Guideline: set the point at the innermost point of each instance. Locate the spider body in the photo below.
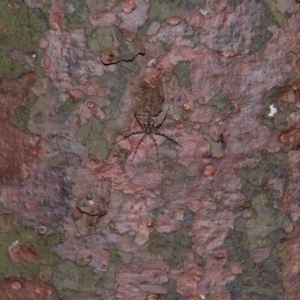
(148, 125)
(149, 129)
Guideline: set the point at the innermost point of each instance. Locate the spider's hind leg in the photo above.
(140, 141)
(168, 138)
(154, 141)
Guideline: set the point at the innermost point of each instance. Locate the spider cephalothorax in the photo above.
(148, 128)
(148, 125)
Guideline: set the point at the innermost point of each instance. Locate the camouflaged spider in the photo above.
(148, 129)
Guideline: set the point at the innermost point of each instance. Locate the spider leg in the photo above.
(170, 139)
(143, 137)
(154, 141)
(139, 122)
(127, 136)
(157, 126)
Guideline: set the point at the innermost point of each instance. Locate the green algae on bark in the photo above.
(17, 36)
(162, 10)
(254, 240)
(173, 246)
(20, 115)
(182, 72)
(65, 109)
(90, 137)
(221, 101)
(41, 245)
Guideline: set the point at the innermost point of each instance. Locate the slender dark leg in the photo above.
(139, 122)
(127, 136)
(154, 141)
(157, 126)
(170, 139)
(143, 137)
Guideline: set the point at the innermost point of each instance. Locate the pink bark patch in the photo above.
(21, 253)
(100, 18)
(16, 288)
(17, 148)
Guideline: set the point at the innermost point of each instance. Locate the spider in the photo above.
(148, 129)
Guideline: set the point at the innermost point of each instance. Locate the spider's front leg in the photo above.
(164, 119)
(139, 122)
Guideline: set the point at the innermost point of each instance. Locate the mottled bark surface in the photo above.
(201, 201)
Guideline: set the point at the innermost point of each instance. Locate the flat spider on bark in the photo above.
(148, 129)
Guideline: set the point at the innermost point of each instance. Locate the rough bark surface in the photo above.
(149, 149)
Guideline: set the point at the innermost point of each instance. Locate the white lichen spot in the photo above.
(91, 202)
(152, 63)
(273, 110)
(202, 296)
(204, 12)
